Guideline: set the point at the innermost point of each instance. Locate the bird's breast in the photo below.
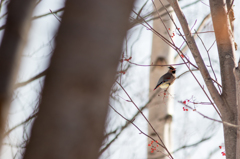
(164, 85)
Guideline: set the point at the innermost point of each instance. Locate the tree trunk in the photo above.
(237, 75)
(161, 107)
(13, 42)
(74, 104)
(226, 51)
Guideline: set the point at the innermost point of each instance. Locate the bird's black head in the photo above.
(173, 70)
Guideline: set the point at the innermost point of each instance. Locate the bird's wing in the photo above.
(165, 78)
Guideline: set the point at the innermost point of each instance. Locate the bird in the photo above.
(167, 79)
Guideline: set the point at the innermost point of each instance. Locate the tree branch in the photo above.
(196, 54)
(200, 27)
(128, 123)
(43, 15)
(21, 84)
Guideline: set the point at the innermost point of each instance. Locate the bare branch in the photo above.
(219, 121)
(192, 145)
(163, 145)
(21, 84)
(153, 16)
(127, 123)
(210, 62)
(46, 14)
(185, 48)
(186, 72)
(196, 54)
(20, 124)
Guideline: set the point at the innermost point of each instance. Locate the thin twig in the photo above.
(55, 16)
(167, 41)
(127, 123)
(219, 121)
(155, 65)
(166, 29)
(186, 72)
(21, 84)
(200, 27)
(22, 123)
(163, 145)
(209, 59)
(43, 15)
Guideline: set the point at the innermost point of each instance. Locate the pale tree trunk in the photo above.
(227, 101)
(161, 108)
(13, 42)
(72, 113)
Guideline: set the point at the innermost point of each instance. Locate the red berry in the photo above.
(223, 153)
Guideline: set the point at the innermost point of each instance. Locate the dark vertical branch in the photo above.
(72, 113)
(13, 42)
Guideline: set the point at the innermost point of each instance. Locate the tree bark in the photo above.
(237, 76)
(74, 104)
(13, 42)
(161, 108)
(226, 51)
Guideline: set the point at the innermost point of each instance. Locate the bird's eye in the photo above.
(173, 71)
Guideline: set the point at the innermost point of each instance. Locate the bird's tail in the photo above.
(156, 87)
